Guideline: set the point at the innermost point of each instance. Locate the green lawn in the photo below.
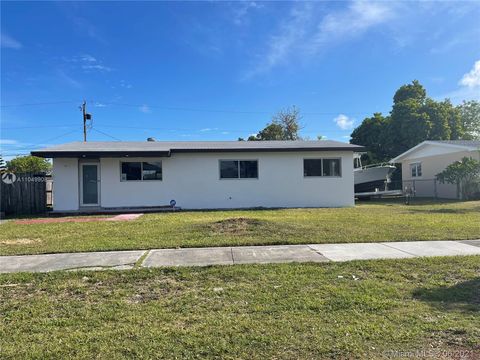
(286, 311)
(368, 221)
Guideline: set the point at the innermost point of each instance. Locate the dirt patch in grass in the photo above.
(22, 241)
(236, 226)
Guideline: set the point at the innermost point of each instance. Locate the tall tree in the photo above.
(25, 164)
(372, 134)
(414, 91)
(289, 120)
(414, 118)
(410, 124)
(285, 125)
(470, 119)
(439, 114)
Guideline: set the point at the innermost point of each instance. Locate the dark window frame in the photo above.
(238, 169)
(141, 170)
(321, 167)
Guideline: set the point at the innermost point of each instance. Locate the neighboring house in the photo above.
(422, 163)
(202, 175)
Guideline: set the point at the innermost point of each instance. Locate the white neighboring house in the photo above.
(423, 162)
(201, 175)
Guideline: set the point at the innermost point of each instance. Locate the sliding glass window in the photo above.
(238, 169)
(322, 167)
(139, 171)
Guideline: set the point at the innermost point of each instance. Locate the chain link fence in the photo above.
(431, 188)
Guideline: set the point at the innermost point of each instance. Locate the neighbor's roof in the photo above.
(469, 145)
(165, 148)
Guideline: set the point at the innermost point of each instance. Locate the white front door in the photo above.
(89, 184)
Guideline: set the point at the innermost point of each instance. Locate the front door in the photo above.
(89, 184)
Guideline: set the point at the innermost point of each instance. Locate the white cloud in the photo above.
(8, 142)
(344, 122)
(125, 85)
(359, 17)
(9, 42)
(100, 105)
(208, 129)
(302, 36)
(469, 87)
(282, 44)
(88, 58)
(241, 10)
(98, 67)
(145, 109)
(87, 63)
(472, 78)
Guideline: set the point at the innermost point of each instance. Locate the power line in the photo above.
(111, 126)
(178, 108)
(43, 142)
(39, 103)
(225, 111)
(103, 133)
(39, 127)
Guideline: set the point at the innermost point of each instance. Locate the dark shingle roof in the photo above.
(164, 148)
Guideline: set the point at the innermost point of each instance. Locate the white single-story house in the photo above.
(423, 162)
(201, 175)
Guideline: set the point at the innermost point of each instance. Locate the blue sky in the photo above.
(220, 70)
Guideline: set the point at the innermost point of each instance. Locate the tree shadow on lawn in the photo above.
(462, 296)
(475, 209)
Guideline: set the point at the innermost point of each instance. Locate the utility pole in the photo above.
(84, 113)
(86, 116)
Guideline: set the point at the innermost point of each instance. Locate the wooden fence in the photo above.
(23, 194)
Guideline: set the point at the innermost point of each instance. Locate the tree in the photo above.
(270, 132)
(25, 164)
(409, 124)
(372, 135)
(285, 125)
(415, 91)
(414, 118)
(2, 165)
(465, 174)
(289, 120)
(470, 119)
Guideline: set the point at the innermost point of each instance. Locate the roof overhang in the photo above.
(98, 154)
(458, 147)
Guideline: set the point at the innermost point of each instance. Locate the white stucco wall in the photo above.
(434, 160)
(193, 180)
(65, 184)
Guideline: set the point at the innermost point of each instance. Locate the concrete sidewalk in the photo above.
(121, 260)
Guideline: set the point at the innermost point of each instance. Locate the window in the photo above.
(131, 171)
(238, 169)
(416, 169)
(331, 167)
(141, 171)
(152, 170)
(321, 167)
(248, 169)
(312, 167)
(228, 169)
